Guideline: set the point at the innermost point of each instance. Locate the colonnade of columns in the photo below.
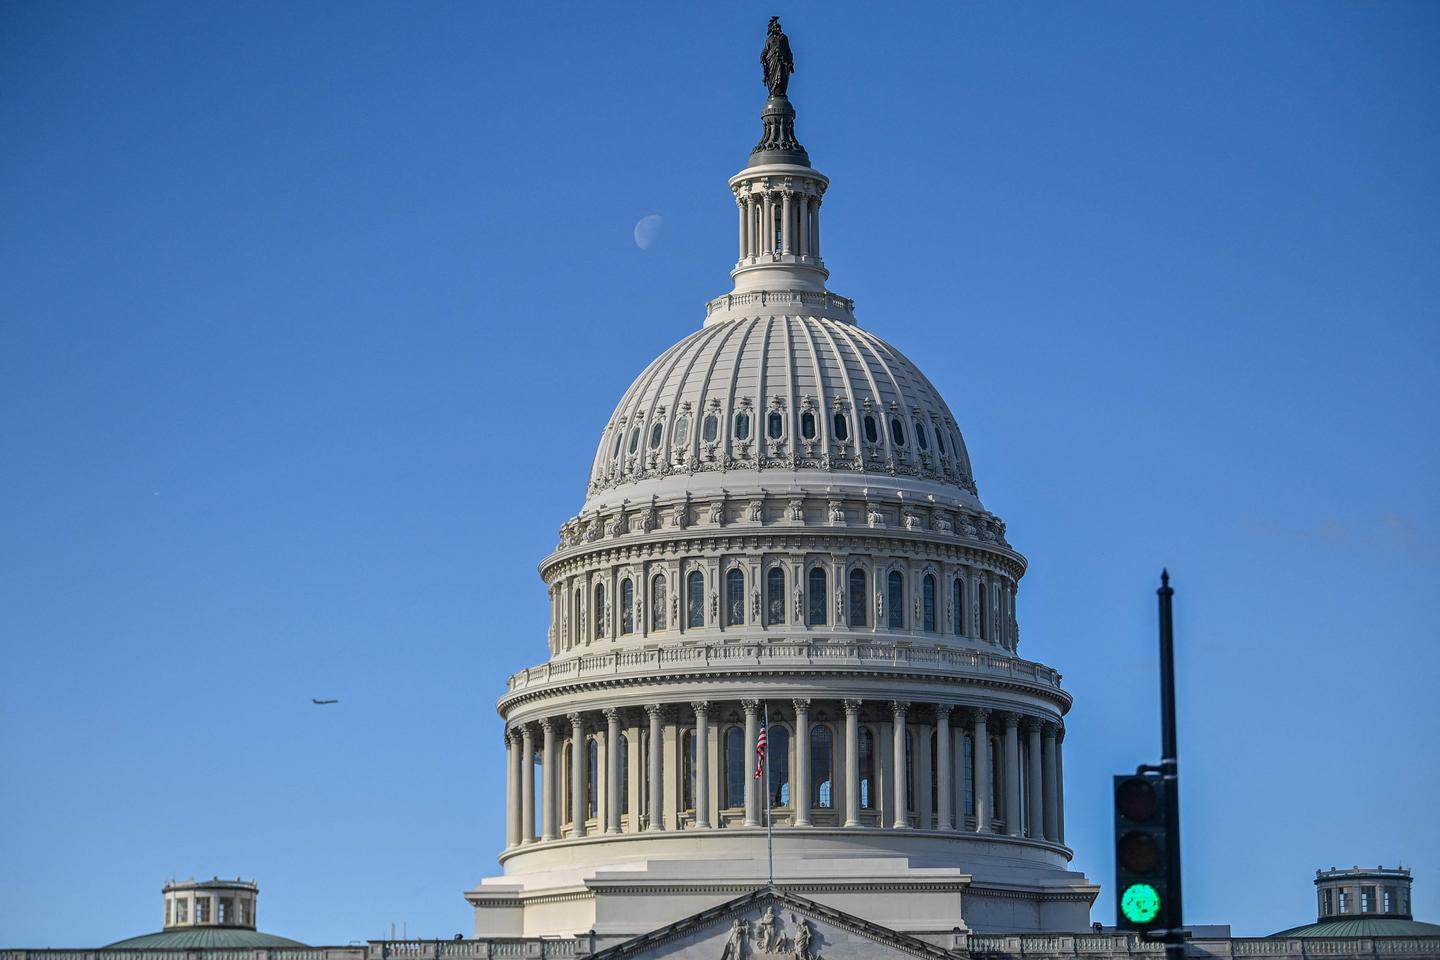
(881, 765)
(782, 222)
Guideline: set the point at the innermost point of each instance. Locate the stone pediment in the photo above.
(770, 924)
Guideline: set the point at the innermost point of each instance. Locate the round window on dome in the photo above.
(897, 431)
(742, 426)
(710, 428)
(634, 439)
(807, 425)
(842, 429)
(682, 429)
(872, 430)
(920, 436)
(776, 426)
(655, 434)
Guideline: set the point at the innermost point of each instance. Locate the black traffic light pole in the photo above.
(1170, 770)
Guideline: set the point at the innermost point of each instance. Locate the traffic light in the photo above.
(1141, 888)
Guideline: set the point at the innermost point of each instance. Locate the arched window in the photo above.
(566, 759)
(775, 425)
(927, 603)
(777, 754)
(682, 429)
(656, 432)
(920, 436)
(775, 595)
(627, 606)
(687, 770)
(816, 617)
(859, 599)
(658, 613)
(736, 776)
(742, 426)
(897, 431)
(957, 601)
(982, 592)
(967, 764)
(710, 429)
(576, 617)
(807, 425)
(867, 769)
(939, 442)
(619, 439)
(872, 431)
(934, 739)
(909, 770)
(695, 599)
(624, 774)
(592, 777)
(842, 428)
(895, 600)
(599, 610)
(822, 763)
(634, 439)
(734, 597)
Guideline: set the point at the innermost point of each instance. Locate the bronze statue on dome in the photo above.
(776, 60)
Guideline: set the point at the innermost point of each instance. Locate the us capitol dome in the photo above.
(781, 520)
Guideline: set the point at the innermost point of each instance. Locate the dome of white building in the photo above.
(781, 533)
(767, 395)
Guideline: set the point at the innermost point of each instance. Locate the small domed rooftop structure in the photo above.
(208, 914)
(1363, 902)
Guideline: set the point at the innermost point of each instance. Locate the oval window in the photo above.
(807, 425)
(920, 436)
(872, 432)
(742, 426)
(939, 442)
(776, 426)
(619, 439)
(655, 433)
(682, 430)
(897, 431)
(710, 428)
(634, 439)
(842, 429)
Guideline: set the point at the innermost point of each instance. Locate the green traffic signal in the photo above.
(1140, 903)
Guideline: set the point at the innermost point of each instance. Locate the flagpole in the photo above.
(769, 827)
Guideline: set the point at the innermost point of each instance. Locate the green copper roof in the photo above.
(204, 937)
(1364, 927)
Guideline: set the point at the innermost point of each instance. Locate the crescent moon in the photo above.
(647, 231)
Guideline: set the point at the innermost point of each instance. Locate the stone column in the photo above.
(657, 745)
(1048, 770)
(1035, 788)
(702, 763)
(800, 776)
(577, 775)
(980, 738)
(815, 228)
(752, 730)
(527, 785)
(751, 235)
(548, 769)
(612, 770)
(1012, 775)
(945, 807)
(852, 763)
(740, 206)
(513, 771)
(1060, 786)
(767, 226)
(898, 708)
(785, 231)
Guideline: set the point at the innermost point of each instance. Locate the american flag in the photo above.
(760, 751)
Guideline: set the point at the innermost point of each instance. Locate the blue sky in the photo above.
(311, 316)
